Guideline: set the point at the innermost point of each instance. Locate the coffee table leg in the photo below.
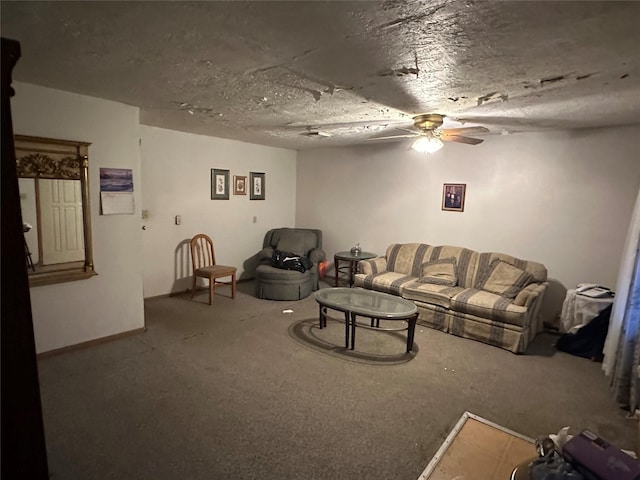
(322, 315)
(411, 330)
(353, 331)
(346, 329)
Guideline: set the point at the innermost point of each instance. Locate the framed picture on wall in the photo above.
(257, 185)
(219, 184)
(239, 185)
(453, 196)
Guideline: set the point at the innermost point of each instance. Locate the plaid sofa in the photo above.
(491, 297)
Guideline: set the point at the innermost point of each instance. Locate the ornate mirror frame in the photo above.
(46, 158)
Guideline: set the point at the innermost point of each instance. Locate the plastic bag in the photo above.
(290, 261)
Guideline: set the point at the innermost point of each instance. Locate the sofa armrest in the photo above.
(531, 299)
(317, 255)
(528, 294)
(372, 265)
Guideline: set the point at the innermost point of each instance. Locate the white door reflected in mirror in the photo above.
(62, 233)
(54, 199)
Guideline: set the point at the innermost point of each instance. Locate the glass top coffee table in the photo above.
(374, 305)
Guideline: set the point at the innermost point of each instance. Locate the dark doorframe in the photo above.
(23, 445)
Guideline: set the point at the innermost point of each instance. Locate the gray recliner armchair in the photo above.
(278, 284)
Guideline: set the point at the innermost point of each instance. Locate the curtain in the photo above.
(622, 346)
(625, 373)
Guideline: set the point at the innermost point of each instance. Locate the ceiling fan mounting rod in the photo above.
(427, 121)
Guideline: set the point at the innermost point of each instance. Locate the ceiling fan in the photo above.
(426, 127)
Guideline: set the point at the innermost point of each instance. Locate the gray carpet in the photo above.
(242, 390)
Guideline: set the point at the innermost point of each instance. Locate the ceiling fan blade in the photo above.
(460, 139)
(407, 130)
(464, 130)
(395, 136)
(507, 122)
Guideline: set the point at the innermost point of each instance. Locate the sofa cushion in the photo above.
(504, 279)
(440, 272)
(466, 262)
(538, 270)
(388, 282)
(490, 306)
(430, 293)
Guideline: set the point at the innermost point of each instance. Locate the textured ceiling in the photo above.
(269, 72)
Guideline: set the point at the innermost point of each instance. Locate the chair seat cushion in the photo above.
(216, 270)
(269, 274)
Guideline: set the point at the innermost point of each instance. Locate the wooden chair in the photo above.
(203, 261)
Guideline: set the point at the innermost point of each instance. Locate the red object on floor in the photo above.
(322, 269)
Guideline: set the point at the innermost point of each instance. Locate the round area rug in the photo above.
(372, 347)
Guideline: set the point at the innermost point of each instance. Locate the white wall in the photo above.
(564, 199)
(177, 181)
(111, 302)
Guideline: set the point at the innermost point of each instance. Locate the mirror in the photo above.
(56, 215)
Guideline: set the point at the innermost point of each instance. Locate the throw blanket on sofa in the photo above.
(290, 261)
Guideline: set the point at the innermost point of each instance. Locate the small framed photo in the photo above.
(257, 185)
(453, 196)
(239, 185)
(219, 184)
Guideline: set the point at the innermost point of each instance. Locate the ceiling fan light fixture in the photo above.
(427, 144)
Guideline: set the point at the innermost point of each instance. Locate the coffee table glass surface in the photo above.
(366, 302)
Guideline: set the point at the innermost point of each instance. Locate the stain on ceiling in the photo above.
(307, 74)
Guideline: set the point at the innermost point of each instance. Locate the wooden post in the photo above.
(24, 452)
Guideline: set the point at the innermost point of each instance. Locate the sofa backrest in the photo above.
(538, 270)
(407, 258)
(466, 262)
(295, 240)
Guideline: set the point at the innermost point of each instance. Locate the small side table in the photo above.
(578, 310)
(352, 267)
